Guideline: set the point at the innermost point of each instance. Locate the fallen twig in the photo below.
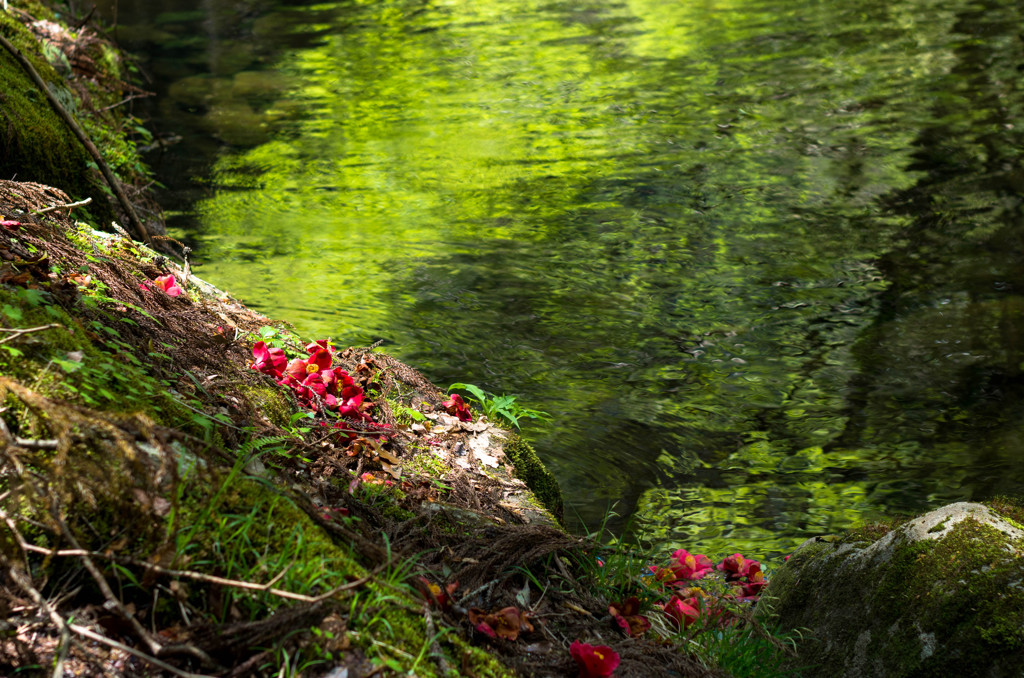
(199, 576)
(30, 444)
(23, 581)
(435, 648)
(17, 332)
(114, 603)
(92, 635)
(122, 102)
(70, 205)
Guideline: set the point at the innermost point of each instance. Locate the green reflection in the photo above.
(760, 262)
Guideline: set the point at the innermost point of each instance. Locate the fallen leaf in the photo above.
(395, 471)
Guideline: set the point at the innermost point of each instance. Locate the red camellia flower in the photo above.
(506, 623)
(442, 598)
(320, 345)
(687, 566)
(457, 407)
(9, 224)
(736, 566)
(270, 361)
(595, 661)
(627, 617)
(750, 590)
(684, 612)
(168, 284)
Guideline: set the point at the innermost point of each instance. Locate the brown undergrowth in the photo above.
(165, 510)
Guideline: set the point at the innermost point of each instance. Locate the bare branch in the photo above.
(17, 332)
(199, 576)
(69, 206)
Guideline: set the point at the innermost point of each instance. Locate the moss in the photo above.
(1010, 508)
(884, 616)
(872, 531)
(37, 144)
(477, 660)
(426, 463)
(271, 401)
(532, 471)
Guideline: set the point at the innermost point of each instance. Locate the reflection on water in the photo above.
(762, 262)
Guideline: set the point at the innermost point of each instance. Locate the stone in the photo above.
(942, 594)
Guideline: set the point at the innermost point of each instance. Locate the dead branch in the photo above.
(92, 635)
(17, 332)
(23, 582)
(114, 603)
(199, 576)
(69, 206)
(29, 444)
(435, 648)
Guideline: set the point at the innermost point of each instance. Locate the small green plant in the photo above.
(494, 406)
(402, 412)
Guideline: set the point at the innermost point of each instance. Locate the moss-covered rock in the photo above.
(937, 594)
(35, 144)
(532, 471)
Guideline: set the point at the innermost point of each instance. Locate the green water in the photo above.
(762, 261)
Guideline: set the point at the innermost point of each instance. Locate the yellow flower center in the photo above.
(311, 368)
(598, 655)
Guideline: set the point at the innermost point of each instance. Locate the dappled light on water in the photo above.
(762, 264)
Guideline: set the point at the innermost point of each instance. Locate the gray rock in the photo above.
(940, 595)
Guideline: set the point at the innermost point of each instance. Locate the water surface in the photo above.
(761, 261)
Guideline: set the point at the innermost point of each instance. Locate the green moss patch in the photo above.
(907, 607)
(532, 471)
(37, 144)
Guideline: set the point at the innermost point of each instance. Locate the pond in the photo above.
(762, 262)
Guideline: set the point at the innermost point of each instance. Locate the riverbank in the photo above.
(191, 488)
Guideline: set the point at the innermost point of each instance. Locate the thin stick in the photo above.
(70, 205)
(112, 601)
(92, 635)
(18, 332)
(29, 444)
(199, 576)
(112, 181)
(124, 101)
(22, 580)
(435, 648)
(115, 603)
(63, 645)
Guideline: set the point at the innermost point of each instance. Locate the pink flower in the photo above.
(168, 284)
(442, 597)
(595, 661)
(270, 361)
(690, 566)
(457, 407)
(10, 224)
